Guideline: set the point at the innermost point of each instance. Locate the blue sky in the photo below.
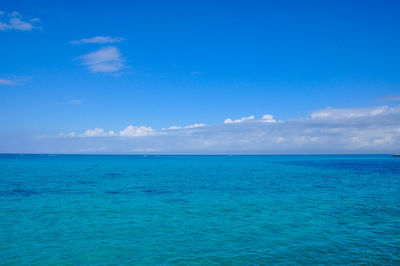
(68, 68)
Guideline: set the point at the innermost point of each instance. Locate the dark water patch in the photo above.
(18, 193)
(67, 191)
(113, 174)
(85, 182)
(157, 191)
(120, 192)
(29, 192)
(24, 192)
(243, 188)
(126, 190)
(325, 187)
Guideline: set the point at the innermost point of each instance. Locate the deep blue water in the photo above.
(232, 210)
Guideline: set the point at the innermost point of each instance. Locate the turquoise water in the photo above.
(231, 210)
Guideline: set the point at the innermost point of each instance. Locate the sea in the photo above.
(199, 210)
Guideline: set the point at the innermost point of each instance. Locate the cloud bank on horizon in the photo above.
(331, 130)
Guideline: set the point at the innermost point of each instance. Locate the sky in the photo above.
(199, 77)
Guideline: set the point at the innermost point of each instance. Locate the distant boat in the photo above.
(396, 155)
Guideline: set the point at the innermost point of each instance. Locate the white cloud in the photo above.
(68, 135)
(351, 113)
(97, 132)
(129, 131)
(195, 125)
(132, 131)
(7, 82)
(172, 128)
(243, 119)
(268, 119)
(15, 21)
(106, 59)
(98, 40)
(331, 130)
(279, 139)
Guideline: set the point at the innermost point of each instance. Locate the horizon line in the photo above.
(198, 154)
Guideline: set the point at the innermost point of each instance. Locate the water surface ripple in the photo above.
(231, 210)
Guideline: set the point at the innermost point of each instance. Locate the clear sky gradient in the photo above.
(67, 67)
